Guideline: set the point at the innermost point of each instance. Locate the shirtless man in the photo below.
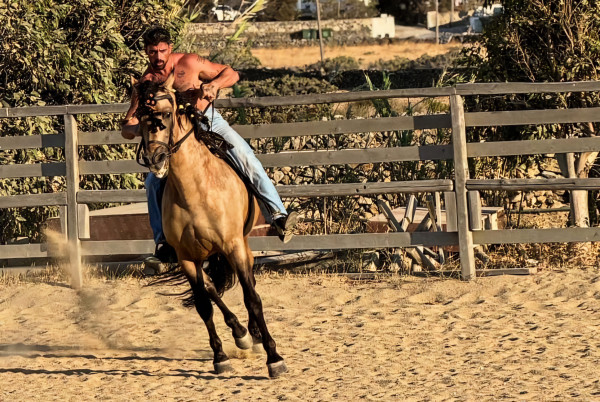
(202, 79)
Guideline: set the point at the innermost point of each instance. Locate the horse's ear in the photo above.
(133, 80)
(168, 84)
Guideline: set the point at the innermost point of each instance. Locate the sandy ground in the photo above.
(515, 338)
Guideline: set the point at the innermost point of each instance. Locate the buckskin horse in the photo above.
(205, 207)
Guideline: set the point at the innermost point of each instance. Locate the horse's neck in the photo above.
(191, 166)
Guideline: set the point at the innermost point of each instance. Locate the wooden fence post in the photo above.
(461, 175)
(72, 178)
(450, 200)
(475, 210)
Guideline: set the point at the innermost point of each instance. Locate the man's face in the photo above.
(159, 55)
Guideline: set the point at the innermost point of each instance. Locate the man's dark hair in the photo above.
(156, 35)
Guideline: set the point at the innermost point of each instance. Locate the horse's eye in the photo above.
(168, 115)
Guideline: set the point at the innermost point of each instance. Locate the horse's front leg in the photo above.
(204, 307)
(242, 337)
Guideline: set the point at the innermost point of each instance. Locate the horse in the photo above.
(205, 206)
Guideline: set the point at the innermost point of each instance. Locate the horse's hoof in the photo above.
(276, 369)
(223, 367)
(244, 342)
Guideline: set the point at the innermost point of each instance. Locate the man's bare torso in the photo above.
(187, 69)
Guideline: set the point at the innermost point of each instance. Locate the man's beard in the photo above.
(157, 66)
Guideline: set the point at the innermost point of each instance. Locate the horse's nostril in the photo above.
(159, 157)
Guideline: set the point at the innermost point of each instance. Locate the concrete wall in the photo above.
(266, 34)
(444, 18)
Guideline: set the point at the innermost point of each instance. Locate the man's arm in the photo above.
(130, 124)
(215, 76)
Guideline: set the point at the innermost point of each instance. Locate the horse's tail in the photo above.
(221, 273)
(218, 269)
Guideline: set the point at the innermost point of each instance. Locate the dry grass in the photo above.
(297, 57)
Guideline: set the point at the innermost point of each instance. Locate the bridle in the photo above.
(156, 124)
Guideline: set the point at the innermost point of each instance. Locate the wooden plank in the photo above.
(556, 235)
(104, 137)
(118, 247)
(33, 200)
(535, 117)
(33, 170)
(354, 241)
(438, 224)
(533, 147)
(72, 179)
(506, 271)
(484, 272)
(384, 208)
(313, 99)
(411, 208)
(462, 89)
(320, 190)
(94, 196)
(32, 141)
(102, 108)
(416, 253)
(435, 227)
(83, 217)
(534, 184)
(293, 258)
(30, 111)
(344, 126)
(461, 173)
(498, 88)
(62, 216)
(438, 210)
(474, 201)
(369, 155)
(38, 250)
(450, 201)
(111, 167)
(425, 224)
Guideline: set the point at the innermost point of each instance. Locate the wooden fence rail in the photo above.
(459, 151)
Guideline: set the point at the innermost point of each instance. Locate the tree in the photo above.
(542, 41)
(279, 10)
(69, 52)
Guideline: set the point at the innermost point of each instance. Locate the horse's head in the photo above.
(156, 113)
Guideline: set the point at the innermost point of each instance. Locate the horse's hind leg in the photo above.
(242, 337)
(205, 310)
(241, 259)
(253, 328)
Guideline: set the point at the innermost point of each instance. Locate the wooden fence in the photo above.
(457, 120)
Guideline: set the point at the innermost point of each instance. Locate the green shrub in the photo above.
(69, 52)
(237, 56)
(336, 64)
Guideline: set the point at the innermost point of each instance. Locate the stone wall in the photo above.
(269, 34)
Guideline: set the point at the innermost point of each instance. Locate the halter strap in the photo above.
(171, 147)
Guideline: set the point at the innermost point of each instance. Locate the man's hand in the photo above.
(209, 91)
(130, 128)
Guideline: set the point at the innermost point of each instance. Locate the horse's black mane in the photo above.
(146, 91)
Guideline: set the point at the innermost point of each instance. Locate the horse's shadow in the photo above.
(23, 350)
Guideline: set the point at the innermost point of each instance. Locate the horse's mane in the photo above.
(146, 90)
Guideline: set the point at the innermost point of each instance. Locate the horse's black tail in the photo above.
(221, 273)
(218, 269)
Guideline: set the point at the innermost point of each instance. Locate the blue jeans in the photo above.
(243, 156)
